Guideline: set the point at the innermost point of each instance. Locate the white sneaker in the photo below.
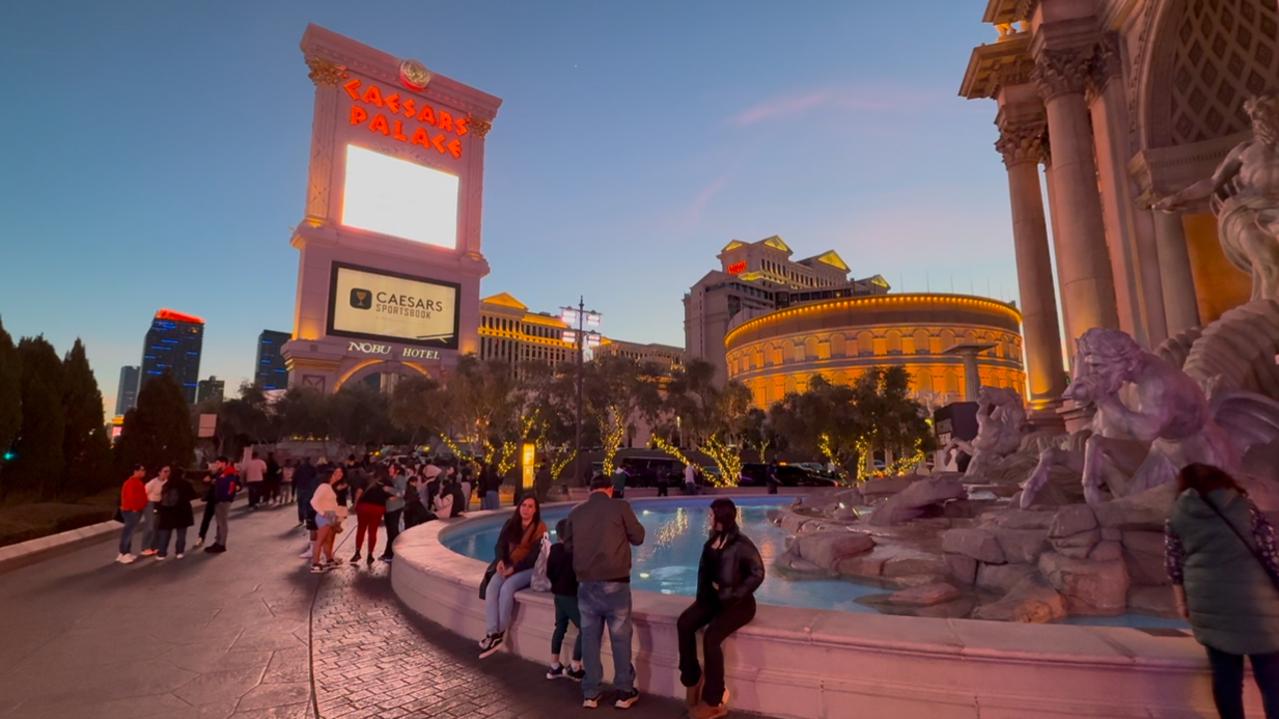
(158, 557)
(179, 555)
(119, 558)
(127, 558)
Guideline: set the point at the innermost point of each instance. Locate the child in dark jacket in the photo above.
(559, 569)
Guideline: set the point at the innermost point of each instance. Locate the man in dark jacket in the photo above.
(225, 484)
(601, 531)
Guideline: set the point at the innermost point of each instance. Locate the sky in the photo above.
(155, 154)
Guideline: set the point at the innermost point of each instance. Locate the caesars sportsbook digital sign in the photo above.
(380, 305)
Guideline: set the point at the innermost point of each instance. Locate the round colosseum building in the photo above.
(928, 334)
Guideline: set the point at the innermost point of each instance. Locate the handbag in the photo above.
(1260, 559)
(540, 582)
(488, 574)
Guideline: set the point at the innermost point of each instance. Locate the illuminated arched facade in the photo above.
(778, 352)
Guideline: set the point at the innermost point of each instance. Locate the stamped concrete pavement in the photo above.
(248, 634)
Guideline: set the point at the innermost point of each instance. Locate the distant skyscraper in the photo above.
(126, 394)
(211, 388)
(173, 345)
(270, 372)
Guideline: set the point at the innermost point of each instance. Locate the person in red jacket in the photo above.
(133, 500)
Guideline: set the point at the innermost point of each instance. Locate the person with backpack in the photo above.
(1224, 567)
(517, 548)
(174, 515)
(225, 485)
(559, 571)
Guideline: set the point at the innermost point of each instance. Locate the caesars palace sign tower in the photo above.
(390, 263)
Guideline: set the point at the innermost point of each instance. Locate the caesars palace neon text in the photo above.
(392, 126)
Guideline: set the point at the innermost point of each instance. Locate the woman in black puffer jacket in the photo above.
(729, 573)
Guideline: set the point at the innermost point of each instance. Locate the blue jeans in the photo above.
(126, 534)
(499, 599)
(149, 526)
(1227, 682)
(491, 500)
(162, 540)
(610, 602)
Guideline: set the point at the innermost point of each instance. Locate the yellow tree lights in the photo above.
(612, 430)
(727, 459)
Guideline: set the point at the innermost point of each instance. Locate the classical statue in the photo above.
(1151, 419)
(1244, 195)
(1001, 424)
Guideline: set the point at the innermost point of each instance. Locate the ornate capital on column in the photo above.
(1106, 65)
(1060, 72)
(324, 72)
(1022, 143)
(480, 127)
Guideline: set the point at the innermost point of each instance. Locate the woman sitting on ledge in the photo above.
(517, 548)
(729, 573)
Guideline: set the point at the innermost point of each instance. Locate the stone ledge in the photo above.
(795, 662)
(39, 549)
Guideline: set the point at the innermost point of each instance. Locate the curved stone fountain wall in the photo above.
(815, 664)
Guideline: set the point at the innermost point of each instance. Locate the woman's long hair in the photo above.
(513, 530)
(724, 515)
(1204, 478)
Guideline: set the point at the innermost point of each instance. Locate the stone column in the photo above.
(972, 377)
(1083, 262)
(1109, 109)
(1022, 148)
(1181, 306)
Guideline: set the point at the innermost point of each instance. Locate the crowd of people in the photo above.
(587, 570)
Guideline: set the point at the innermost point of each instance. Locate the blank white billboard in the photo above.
(396, 197)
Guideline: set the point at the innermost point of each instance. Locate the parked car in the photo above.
(755, 474)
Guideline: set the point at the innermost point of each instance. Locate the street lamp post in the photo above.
(580, 318)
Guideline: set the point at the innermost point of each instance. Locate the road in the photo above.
(248, 634)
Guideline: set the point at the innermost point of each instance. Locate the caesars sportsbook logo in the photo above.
(390, 303)
(361, 299)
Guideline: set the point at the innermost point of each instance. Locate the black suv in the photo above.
(755, 474)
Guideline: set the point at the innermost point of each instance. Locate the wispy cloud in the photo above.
(830, 99)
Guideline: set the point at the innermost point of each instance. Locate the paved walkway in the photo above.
(243, 635)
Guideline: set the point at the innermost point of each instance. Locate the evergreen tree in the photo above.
(158, 431)
(10, 394)
(85, 446)
(38, 468)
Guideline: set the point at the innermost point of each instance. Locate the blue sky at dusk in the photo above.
(154, 154)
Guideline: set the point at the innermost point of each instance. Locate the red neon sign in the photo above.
(737, 268)
(167, 314)
(413, 111)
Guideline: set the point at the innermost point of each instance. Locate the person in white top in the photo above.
(328, 518)
(150, 533)
(690, 479)
(253, 472)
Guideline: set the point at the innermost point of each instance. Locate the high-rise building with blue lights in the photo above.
(173, 345)
(269, 372)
